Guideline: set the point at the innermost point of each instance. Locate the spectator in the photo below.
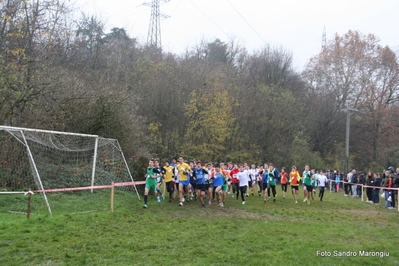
(392, 177)
(354, 181)
(329, 177)
(376, 189)
(386, 184)
(361, 181)
(337, 181)
(369, 190)
(396, 185)
(332, 180)
(347, 187)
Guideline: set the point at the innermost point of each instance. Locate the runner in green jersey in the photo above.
(307, 188)
(151, 180)
(313, 183)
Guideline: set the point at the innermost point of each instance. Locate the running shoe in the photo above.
(145, 206)
(181, 204)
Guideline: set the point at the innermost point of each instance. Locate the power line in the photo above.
(173, 11)
(209, 19)
(246, 21)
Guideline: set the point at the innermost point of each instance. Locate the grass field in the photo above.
(280, 233)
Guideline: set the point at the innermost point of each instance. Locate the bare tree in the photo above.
(353, 71)
(30, 34)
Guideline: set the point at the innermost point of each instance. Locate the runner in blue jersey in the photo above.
(200, 186)
(218, 183)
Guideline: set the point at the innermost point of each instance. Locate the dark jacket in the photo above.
(395, 182)
(362, 179)
(370, 181)
(354, 179)
(377, 182)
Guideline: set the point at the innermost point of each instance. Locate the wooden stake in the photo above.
(112, 197)
(29, 200)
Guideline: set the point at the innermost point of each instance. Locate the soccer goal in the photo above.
(43, 161)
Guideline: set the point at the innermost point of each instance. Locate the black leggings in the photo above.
(243, 192)
(266, 186)
(347, 188)
(369, 192)
(170, 188)
(321, 193)
(260, 184)
(236, 189)
(273, 190)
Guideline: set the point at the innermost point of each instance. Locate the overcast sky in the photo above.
(295, 25)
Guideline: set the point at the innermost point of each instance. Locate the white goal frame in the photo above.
(22, 138)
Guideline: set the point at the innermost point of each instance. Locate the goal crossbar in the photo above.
(8, 128)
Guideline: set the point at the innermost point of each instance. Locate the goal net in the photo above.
(45, 161)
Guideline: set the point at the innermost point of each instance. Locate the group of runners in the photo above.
(198, 180)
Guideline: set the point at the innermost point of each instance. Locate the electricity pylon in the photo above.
(323, 39)
(154, 30)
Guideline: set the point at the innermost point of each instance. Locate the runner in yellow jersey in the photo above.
(168, 173)
(183, 169)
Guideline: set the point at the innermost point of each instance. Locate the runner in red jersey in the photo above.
(284, 181)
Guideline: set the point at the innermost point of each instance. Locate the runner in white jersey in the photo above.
(243, 177)
(252, 174)
(322, 180)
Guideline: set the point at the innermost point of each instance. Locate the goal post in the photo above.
(45, 161)
(35, 172)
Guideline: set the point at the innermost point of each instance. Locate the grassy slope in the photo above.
(281, 233)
